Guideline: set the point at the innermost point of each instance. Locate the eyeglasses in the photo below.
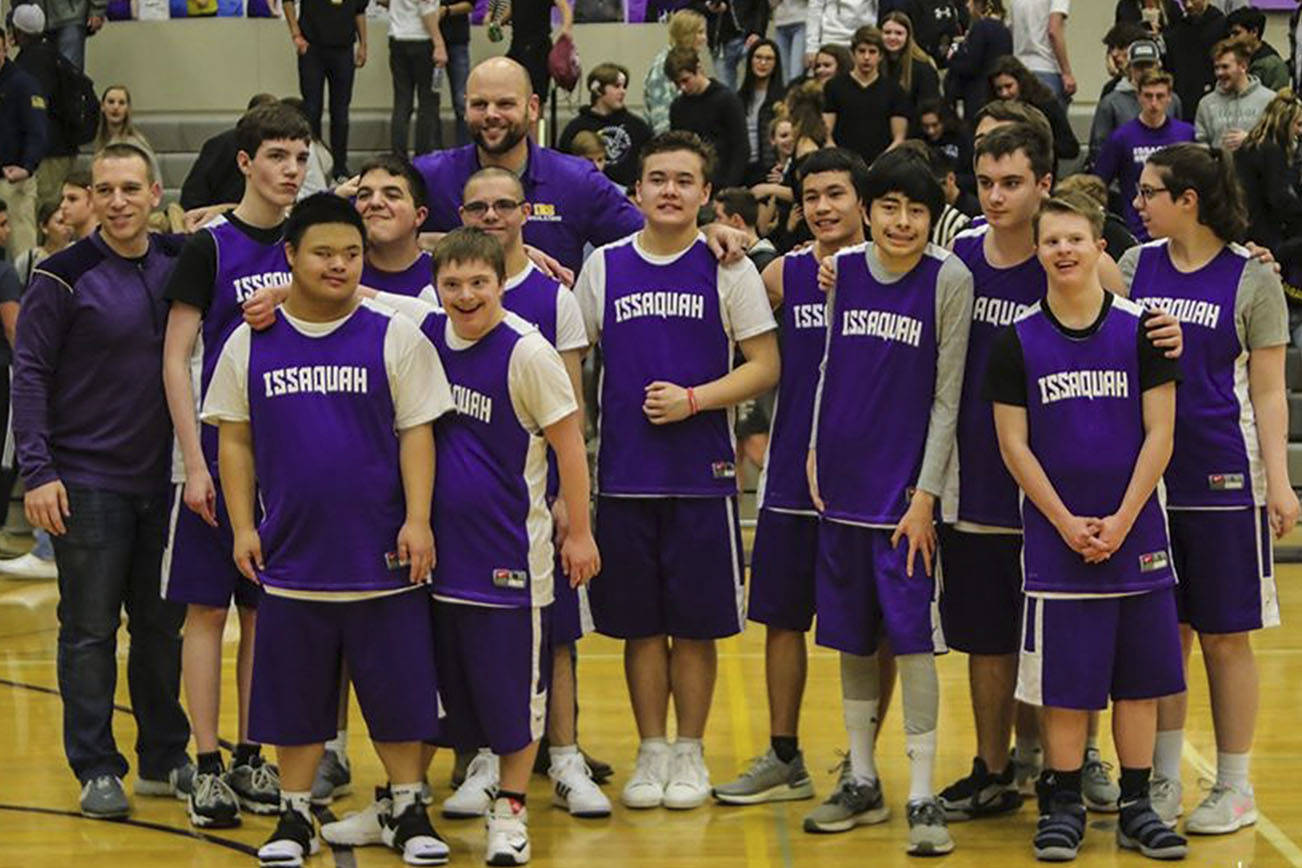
(1147, 193)
(501, 206)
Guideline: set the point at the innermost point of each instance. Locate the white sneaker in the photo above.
(475, 795)
(1226, 809)
(28, 566)
(575, 791)
(508, 833)
(361, 828)
(646, 788)
(1164, 794)
(689, 779)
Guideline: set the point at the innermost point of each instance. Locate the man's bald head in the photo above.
(501, 72)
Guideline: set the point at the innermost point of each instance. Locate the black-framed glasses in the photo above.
(1147, 193)
(501, 206)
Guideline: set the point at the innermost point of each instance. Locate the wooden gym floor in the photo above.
(39, 824)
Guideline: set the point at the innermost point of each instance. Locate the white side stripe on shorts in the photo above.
(1030, 664)
(171, 539)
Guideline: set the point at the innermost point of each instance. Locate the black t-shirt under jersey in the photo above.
(193, 278)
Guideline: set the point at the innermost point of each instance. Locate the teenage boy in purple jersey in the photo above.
(832, 182)
(496, 570)
(332, 404)
(900, 309)
(220, 269)
(391, 198)
(1073, 374)
(1227, 485)
(668, 317)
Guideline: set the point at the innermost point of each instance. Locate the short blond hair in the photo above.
(1087, 185)
(683, 27)
(1071, 203)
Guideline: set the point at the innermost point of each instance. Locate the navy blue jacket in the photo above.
(24, 129)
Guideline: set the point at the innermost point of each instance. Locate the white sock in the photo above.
(922, 761)
(689, 745)
(556, 754)
(1166, 753)
(404, 795)
(1232, 769)
(339, 744)
(861, 726)
(655, 744)
(296, 801)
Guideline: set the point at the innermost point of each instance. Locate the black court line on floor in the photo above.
(193, 834)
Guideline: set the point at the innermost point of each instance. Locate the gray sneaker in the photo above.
(213, 804)
(852, 804)
(257, 785)
(103, 798)
(333, 778)
(928, 834)
(179, 783)
(1026, 770)
(1165, 794)
(768, 779)
(1100, 791)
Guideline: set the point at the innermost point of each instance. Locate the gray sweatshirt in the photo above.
(1219, 112)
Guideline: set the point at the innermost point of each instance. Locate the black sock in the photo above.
(507, 794)
(1134, 784)
(1056, 781)
(210, 763)
(785, 746)
(244, 753)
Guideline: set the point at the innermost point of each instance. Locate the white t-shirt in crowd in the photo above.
(405, 24)
(1030, 26)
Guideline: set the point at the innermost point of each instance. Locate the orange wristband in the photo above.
(692, 408)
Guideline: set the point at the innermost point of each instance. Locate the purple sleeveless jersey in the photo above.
(410, 281)
(1086, 426)
(243, 267)
(534, 299)
(783, 484)
(481, 494)
(985, 492)
(326, 456)
(1216, 457)
(662, 322)
(879, 367)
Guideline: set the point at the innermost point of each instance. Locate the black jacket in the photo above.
(969, 68)
(40, 60)
(1274, 209)
(24, 133)
(716, 115)
(1189, 43)
(214, 179)
(767, 156)
(739, 19)
(623, 133)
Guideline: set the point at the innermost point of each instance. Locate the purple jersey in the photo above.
(410, 281)
(1123, 156)
(662, 322)
(243, 267)
(534, 299)
(880, 364)
(488, 486)
(322, 417)
(979, 489)
(1084, 393)
(783, 484)
(1217, 459)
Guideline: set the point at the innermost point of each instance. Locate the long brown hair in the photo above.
(1276, 123)
(911, 51)
(102, 132)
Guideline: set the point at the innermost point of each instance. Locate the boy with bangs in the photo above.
(1074, 371)
(900, 308)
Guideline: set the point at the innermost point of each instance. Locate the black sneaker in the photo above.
(212, 803)
(256, 784)
(980, 794)
(412, 835)
(1140, 828)
(1062, 826)
(294, 840)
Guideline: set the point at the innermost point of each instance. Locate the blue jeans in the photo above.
(458, 73)
(791, 49)
(1053, 81)
(70, 39)
(316, 66)
(111, 558)
(726, 60)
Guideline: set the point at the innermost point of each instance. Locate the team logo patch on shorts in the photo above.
(1225, 482)
(516, 579)
(723, 470)
(1153, 561)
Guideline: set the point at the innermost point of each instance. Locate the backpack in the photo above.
(74, 105)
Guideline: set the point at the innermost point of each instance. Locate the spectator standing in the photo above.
(75, 206)
(1249, 25)
(1013, 81)
(214, 179)
(733, 27)
(762, 90)
(1122, 105)
(620, 132)
(833, 22)
(987, 40)
(24, 137)
(1122, 156)
(1189, 42)
(906, 62)
(38, 57)
(416, 50)
(789, 32)
(1227, 113)
(705, 107)
(1115, 231)
(829, 62)
(1265, 167)
(1040, 43)
(70, 22)
(115, 124)
(330, 39)
(531, 38)
(1117, 42)
(54, 236)
(943, 134)
(865, 111)
(455, 28)
(949, 20)
(686, 30)
(1148, 13)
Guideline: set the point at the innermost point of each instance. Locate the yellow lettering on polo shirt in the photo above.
(38, 101)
